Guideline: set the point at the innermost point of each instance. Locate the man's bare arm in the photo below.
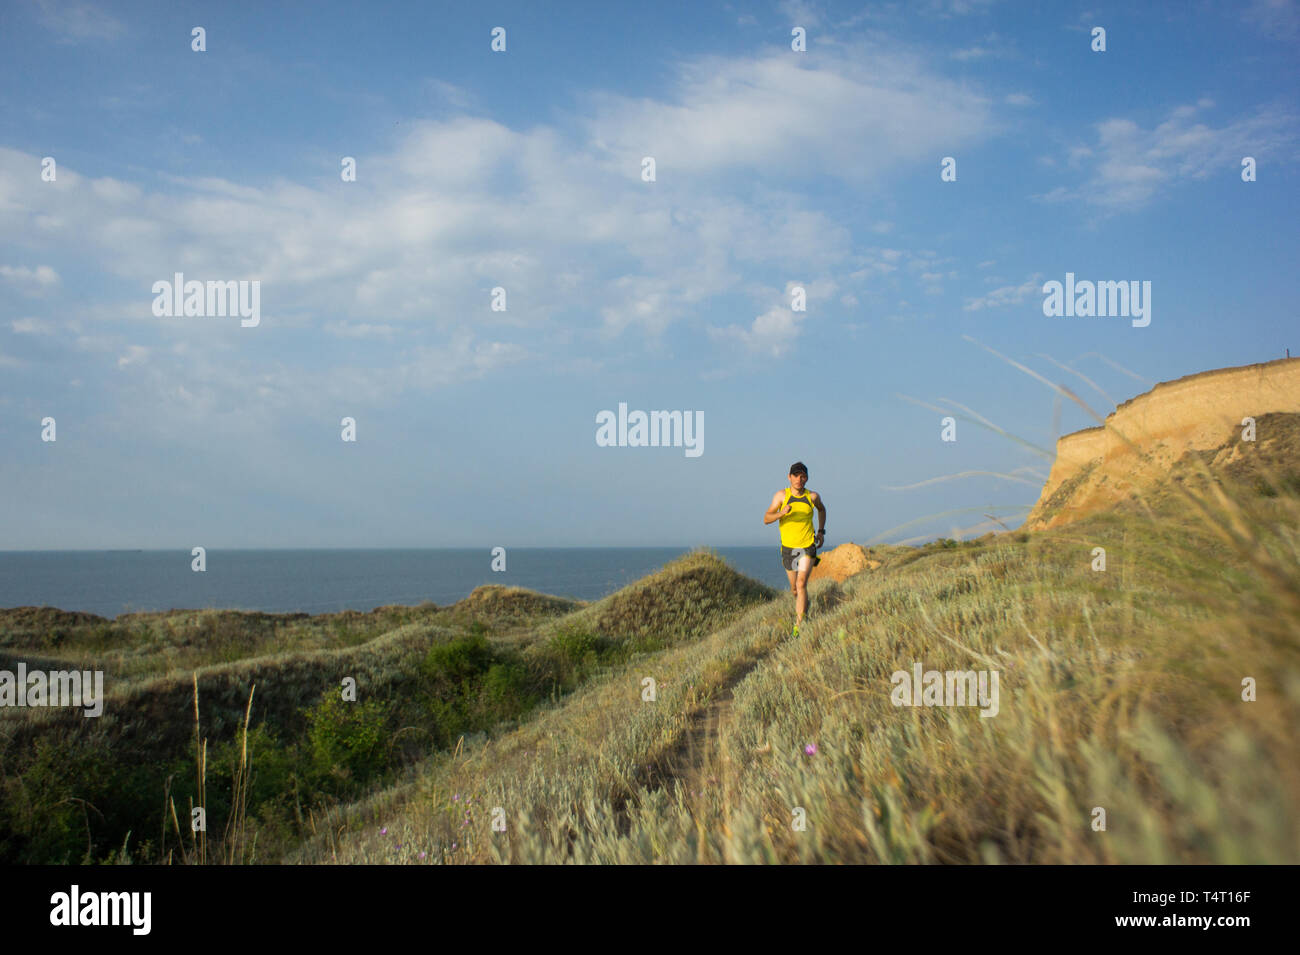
(775, 511)
(821, 510)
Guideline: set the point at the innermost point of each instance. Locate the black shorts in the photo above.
(790, 554)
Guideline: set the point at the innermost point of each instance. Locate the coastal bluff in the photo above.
(1096, 467)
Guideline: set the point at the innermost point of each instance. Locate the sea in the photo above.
(109, 583)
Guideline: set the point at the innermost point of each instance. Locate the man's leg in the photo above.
(794, 590)
(801, 588)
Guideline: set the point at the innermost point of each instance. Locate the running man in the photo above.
(793, 507)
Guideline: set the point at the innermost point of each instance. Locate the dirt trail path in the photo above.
(697, 762)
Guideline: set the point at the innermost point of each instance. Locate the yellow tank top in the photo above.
(797, 526)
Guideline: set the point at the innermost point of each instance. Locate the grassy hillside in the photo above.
(274, 742)
(1120, 690)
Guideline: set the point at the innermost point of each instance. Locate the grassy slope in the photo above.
(504, 648)
(1119, 689)
(150, 660)
(176, 642)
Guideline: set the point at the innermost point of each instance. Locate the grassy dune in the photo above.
(274, 743)
(1120, 690)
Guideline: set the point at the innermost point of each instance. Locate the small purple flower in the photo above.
(456, 798)
(422, 855)
(383, 831)
(453, 845)
(811, 749)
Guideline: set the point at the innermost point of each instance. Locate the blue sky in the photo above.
(522, 170)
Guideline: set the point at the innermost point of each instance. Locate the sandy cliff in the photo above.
(1096, 467)
(843, 562)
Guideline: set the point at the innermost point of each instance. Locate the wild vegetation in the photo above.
(515, 727)
(244, 714)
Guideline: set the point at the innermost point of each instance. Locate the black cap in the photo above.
(798, 468)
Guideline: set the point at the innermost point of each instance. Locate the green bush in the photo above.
(45, 811)
(576, 646)
(506, 691)
(271, 767)
(347, 742)
(570, 655)
(458, 661)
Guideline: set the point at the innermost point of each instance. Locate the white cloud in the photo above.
(133, 355)
(991, 45)
(945, 9)
(361, 330)
(76, 20)
(456, 96)
(115, 191)
(1279, 19)
(772, 333)
(31, 326)
(801, 13)
(1131, 165)
(30, 281)
(463, 205)
(854, 115)
(411, 251)
(1006, 295)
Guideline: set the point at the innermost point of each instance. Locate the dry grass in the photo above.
(479, 665)
(1120, 690)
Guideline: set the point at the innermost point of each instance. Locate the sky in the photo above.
(777, 173)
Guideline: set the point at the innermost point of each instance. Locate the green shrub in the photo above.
(569, 656)
(506, 691)
(458, 661)
(347, 742)
(576, 646)
(46, 811)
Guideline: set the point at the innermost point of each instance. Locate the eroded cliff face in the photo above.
(843, 562)
(1097, 467)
